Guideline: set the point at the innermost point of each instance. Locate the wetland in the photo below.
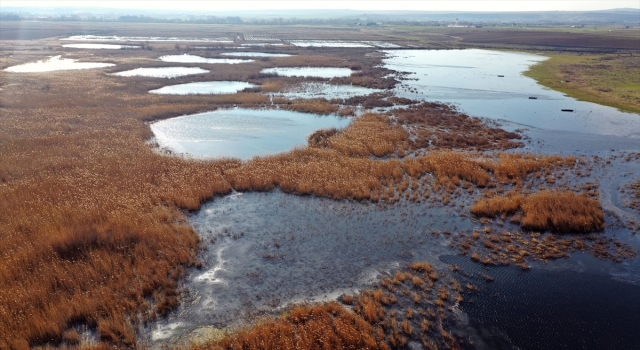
(363, 195)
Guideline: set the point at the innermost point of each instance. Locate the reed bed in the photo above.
(321, 172)
(438, 125)
(374, 78)
(516, 248)
(562, 212)
(558, 211)
(373, 319)
(316, 106)
(370, 134)
(326, 326)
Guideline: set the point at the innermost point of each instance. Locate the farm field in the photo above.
(392, 229)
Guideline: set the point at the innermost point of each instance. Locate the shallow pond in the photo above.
(204, 88)
(268, 250)
(240, 133)
(490, 84)
(320, 72)
(162, 72)
(328, 91)
(185, 58)
(255, 54)
(579, 303)
(100, 46)
(55, 63)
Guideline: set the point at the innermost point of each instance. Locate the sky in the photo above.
(371, 5)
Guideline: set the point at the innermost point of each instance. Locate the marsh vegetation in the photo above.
(95, 231)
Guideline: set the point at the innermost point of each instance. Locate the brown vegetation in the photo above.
(547, 210)
(516, 247)
(328, 326)
(562, 212)
(634, 202)
(316, 106)
(441, 126)
(375, 322)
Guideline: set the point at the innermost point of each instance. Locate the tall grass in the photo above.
(327, 326)
(437, 125)
(559, 211)
(562, 212)
(316, 106)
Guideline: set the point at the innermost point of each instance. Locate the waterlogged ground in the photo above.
(268, 250)
(344, 44)
(255, 54)
(162, 72)
(320, 72)
(55, 63)
(203, 88)
(143, 38)
(186, 58)
(265, 251)
(240, 133)
(100, 46)
(490, 84)
(328, 91)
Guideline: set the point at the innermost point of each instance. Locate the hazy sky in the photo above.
(421, 5)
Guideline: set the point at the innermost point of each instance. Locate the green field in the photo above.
(607, 79)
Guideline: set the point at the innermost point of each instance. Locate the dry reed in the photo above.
(328, 326)
(558, 211)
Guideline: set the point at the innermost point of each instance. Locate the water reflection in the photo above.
(490, 84)
(320, 72)
(241, 133)
(203, 88)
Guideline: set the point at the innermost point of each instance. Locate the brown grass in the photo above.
(441, 126)
(322, 172)
(562, 212)
(272, 86)
(491, 207)
(558, 211)
(328, 326)
(370, 134)
(316, 106)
